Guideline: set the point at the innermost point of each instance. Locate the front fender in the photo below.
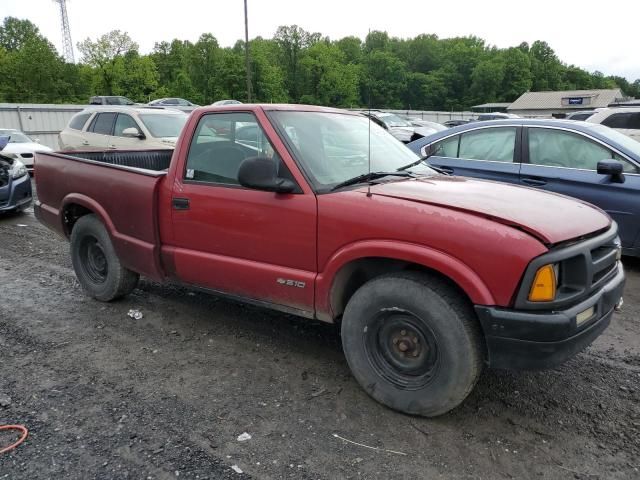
(447, 265)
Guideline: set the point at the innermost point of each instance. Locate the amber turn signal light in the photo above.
(544, 285)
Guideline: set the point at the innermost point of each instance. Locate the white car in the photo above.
(426, 125)
(123, 128)
(22, 146)
(624, 119)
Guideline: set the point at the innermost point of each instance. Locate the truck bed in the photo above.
(120, 187)
(156, 160)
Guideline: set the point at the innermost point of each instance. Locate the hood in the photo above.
(549, 217)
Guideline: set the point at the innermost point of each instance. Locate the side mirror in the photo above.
(613, 168)
(132, 132)
(260, 173)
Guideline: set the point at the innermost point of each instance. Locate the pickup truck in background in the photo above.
(315, 212)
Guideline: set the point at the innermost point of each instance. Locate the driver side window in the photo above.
(222, 141)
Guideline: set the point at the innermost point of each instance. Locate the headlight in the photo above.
(18, 169)
(544, 284)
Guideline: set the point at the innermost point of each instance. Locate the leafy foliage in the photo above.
(424, 72)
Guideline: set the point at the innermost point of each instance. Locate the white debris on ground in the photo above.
(135, 314)
(236, 468)
(244, 437)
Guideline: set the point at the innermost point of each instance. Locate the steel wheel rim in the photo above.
(402, 349)
(93, 259)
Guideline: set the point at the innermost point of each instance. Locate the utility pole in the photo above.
(246, 51)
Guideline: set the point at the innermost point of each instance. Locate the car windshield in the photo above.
(16, 137)
(164, 125)
(334, 147)
(631, 145)
(392, 120)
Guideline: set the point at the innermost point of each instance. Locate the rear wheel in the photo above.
(96, 264)
(413, 343)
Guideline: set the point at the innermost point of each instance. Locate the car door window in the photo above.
(103, 123)
(618, 120)
(495, 144)
(79, 120)
(558, 148)
(222, 141)
(123, 122)
(444, 148)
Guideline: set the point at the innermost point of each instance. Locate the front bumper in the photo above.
(518, 339)
(19, 194)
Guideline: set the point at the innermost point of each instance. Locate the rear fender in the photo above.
(135, 254)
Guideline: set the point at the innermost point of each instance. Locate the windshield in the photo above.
(392, 120)
(334, 147)
(16, 137)
(633, 146)
(164, 125)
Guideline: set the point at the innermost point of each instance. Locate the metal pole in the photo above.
(246, 51)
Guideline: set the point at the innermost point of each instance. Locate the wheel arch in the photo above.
(353, 266)
(75, 206)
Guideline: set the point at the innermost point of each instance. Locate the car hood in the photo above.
(26, 147)
(549, 217)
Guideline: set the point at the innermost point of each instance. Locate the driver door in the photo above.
(253, 244)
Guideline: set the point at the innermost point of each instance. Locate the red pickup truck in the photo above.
(316, 212)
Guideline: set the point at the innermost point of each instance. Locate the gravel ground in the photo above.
(166, 396)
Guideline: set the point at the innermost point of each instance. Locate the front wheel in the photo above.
(96, 264)
(413, 343)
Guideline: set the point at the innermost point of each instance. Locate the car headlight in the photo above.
(18, 169)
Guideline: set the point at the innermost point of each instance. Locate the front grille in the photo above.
(603, 263)
(584, 268)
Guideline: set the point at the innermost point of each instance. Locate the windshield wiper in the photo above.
(418, 162)
(421, 160)
(367, 177)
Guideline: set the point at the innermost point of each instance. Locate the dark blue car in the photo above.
(15, 183)
(587, 161)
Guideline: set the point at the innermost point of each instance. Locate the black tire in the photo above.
(413, 343)
(96, 264)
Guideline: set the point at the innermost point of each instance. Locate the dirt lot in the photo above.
(108, 397)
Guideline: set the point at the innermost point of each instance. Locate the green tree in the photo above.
(138, 76)
(15, 33)
(104, 55)
(327, 78)
(384, 78)
(293, 40)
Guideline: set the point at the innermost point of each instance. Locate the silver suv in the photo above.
(124, 128)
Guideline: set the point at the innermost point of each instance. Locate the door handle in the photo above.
(180, 203)
(85, 142)
(113, 147)
(534, 182)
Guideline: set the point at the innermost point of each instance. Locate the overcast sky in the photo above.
(592, 36)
